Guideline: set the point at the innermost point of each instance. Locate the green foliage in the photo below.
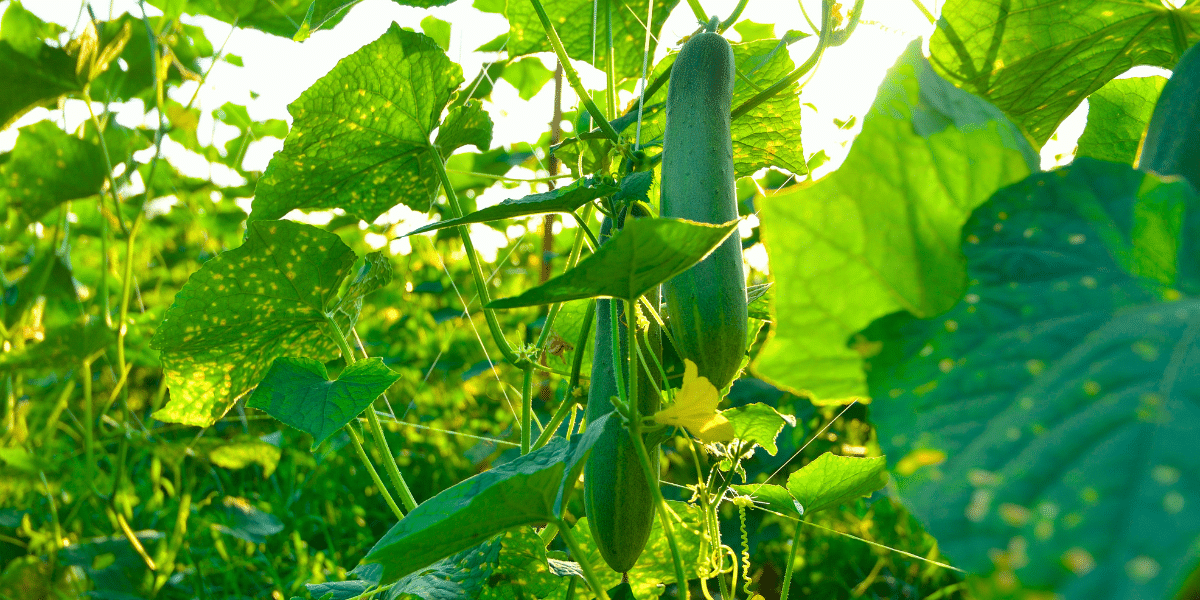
(564, 199)
(1056, 422)
(46, 168)
(928, 153)
(1025, 56)
(1117, 117)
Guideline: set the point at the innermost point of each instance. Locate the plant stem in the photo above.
(635, 433)
(589, 574)
(791, 566)
(366, 461)
(698, 10)
(576, 83)
(389, 463)
(476, 270)
(526, 409)
(924, 11)
(733, 17)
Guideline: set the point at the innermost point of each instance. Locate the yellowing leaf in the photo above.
(695, 408)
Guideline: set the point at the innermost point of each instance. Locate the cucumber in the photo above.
(1172, 142)
(617, 498)
(705, 305)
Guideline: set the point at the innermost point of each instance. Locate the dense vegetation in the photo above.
(964, 377)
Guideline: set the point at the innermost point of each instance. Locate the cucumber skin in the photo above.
(1172, 142)
(705, 305)
(617, 499)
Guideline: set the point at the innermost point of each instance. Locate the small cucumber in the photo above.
(705, 305)
(617, 498)
(1172, 142)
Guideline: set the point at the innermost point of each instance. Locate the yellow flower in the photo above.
(695, 408)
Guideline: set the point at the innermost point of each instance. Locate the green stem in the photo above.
(924, 11)
(389, 463)
(576, 83)
(610, 59)
(88, 426)
(589, 574)
(476, 270)
(569, 403)
(737, 12)
(791, 566)
(698, 10)
(366, 461)
(527, 409)
(635, 433)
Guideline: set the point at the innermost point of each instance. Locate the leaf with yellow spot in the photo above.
(695, 408)
(245, 308)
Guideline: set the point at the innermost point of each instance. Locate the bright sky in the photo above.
(279, 70)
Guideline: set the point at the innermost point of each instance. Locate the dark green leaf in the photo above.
(46, 168)
(298, 392)
(1117, 117)
(831, 480)
(563, 199)
(758, 423)
(644, 254)
(758, 301)
(531, 489)
(572, 19)
(927, 155)
(245, 308)
(1038, 59)
(360, 138)
(636, 186)
(1051, 404)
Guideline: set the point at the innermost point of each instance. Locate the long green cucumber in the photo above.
(705, 305)
(1172, 142)
(617, 498)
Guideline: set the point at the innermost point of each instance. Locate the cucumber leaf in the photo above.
(563, 199)
(1117, 117)
(645, 253)
(46, 168)
(1038, 59)
(1049, 405)
(927, 155)
(831, 480)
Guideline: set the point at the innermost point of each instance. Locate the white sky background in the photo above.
(279, 70)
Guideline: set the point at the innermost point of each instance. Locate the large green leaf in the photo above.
(46, 168)
(1051, 407)
(298, 392)
(31, 81)
(1117, 117)
(572, 19)
(531, 489)
(361, 135)
(1038, 59)
(881, 233)
(831, 480)
(769, 135)
(245, 308)
(645, 253)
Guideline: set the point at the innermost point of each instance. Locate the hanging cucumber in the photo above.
(1172, 142)
(617, 498)
(705, 305)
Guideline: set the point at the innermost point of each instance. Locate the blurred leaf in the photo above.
(249, 522)
(1117, 117)
(46, 168)
(489, 6)
(572, 19)
(31, 82)
(831, 480)
(298, 392)
(374, 151)
(563, 199)
(751, 31)
(528, 75)
(63, 347)
(567, 326)
(530, 489)
(645, 253)
(239, 454)
(25, 32)
(134, 75)
(245, 308)
(1054, 397)
(438, 30)
(928, 153)
(375, 273)
(654, 568)
(758, 423)
(466, 125)
(1037, 62)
